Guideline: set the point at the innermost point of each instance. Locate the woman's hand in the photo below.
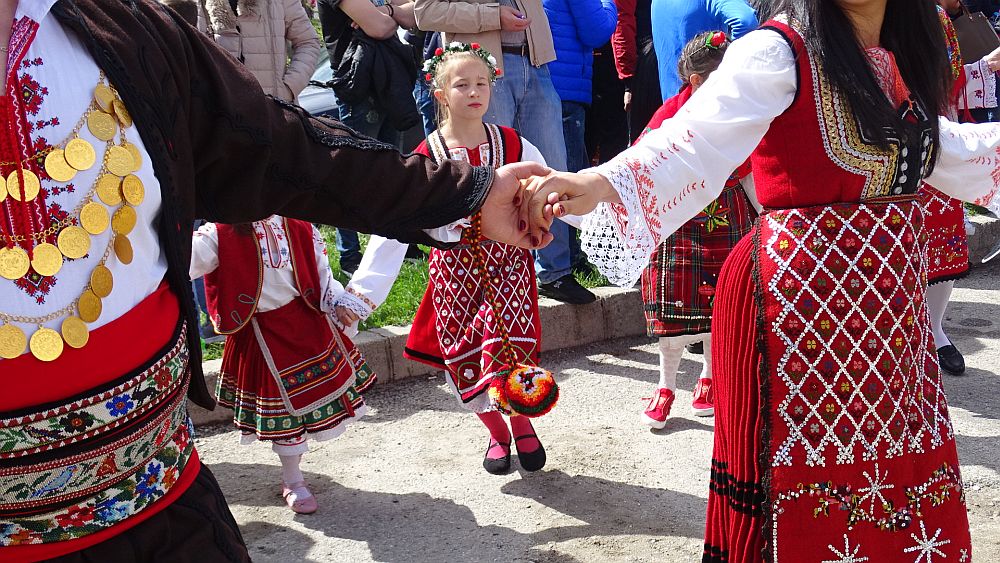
(562, 193)
(993, 60)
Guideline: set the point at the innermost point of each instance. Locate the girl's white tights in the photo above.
(671, 350)
(938, 296)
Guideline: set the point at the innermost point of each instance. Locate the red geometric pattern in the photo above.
(947, 242)
(861, 458)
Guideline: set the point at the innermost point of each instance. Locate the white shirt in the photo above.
(684, 164)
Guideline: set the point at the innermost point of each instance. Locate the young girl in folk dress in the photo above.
(455, 328)
(678, 285)
(288, 371)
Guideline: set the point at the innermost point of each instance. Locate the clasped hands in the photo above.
(526, 197)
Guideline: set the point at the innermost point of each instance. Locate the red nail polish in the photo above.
(534, 240)
(522, 225)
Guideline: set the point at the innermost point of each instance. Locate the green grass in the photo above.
(403, 300)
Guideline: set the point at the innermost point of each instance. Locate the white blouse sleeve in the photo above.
(329, 287)
(204, 251)
(676, 170)
(378, 270)
(530, 153)
(968, 165)
(980, 87)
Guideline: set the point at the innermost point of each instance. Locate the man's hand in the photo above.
(561, 193)
(505, 213)
(512, 20)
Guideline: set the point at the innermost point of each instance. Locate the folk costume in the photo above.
(832, 435)
(678, 284)
(455, 329)
(288, 371)
(120, 123)
(947, 240)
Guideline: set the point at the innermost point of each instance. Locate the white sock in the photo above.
(290, 472)
(671, 350)
(938, 296)
(706, 368)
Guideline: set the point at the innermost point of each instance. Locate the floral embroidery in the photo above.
(120, 405)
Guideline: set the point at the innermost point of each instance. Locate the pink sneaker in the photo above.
(299, 498)
(702, 403)
(658, 409)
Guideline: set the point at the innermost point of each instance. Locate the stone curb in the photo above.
(617, 313)
(985, 238)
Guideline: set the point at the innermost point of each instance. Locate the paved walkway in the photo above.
(407, 485)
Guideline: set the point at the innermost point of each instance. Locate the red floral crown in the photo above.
(431, 64)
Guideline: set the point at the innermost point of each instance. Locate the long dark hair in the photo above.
(911, 31)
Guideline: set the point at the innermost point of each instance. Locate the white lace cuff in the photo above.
(355, 303)
(619, 239)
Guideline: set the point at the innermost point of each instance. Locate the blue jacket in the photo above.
(675, 22)
(578, 27)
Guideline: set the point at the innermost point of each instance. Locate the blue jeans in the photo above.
(369, 120)
(425, 105)
(525, 99)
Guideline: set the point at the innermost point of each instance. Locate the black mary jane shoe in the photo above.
(498, 466)
(951, 360)
(531, 461)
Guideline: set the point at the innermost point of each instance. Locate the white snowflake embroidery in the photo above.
(964, 556)
(848, 555)
(876, 484)
(927, 546)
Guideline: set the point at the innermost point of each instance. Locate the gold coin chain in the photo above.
(115, 186)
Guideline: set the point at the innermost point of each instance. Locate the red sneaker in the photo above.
(702, 403)
(658, 409)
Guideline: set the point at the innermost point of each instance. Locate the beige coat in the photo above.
(258, 36)
(468, 21)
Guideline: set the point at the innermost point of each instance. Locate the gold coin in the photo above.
(133, 190)
(3, 188)
(102, 125)
(123, 220)
(101, 281)
(46, 259)
(122, 112)
(123, 249)
(14, 263)
(80, 154)
(136, 155)
(31, 185)
(94, 218)
(46, 344)
(75, 332)
(73, 242)
(89, 306)
(119, 161)
(109, 189)
(104, 97)
(12, 342)
(57, 168)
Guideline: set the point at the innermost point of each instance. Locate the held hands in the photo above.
(526, 197)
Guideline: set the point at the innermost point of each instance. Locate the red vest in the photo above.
(833, 162)
(233, 290)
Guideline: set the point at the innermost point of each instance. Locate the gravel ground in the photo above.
(406, 483)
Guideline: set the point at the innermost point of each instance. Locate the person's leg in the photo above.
(297, 495)
(671, 350)
(702, 404)
(574, 119)
(503, 106)
(349, 248)
(497, 459)
(425, 104)
(949, 357)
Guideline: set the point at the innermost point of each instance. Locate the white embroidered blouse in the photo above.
(715, 132)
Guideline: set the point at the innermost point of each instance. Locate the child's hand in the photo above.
(346, 316)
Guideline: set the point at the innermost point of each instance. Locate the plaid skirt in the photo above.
(678, 284)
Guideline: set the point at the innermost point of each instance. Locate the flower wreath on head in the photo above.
(431, 64)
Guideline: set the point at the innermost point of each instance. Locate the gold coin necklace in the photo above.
(116, 186)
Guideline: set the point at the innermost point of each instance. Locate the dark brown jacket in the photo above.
(224, 152)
